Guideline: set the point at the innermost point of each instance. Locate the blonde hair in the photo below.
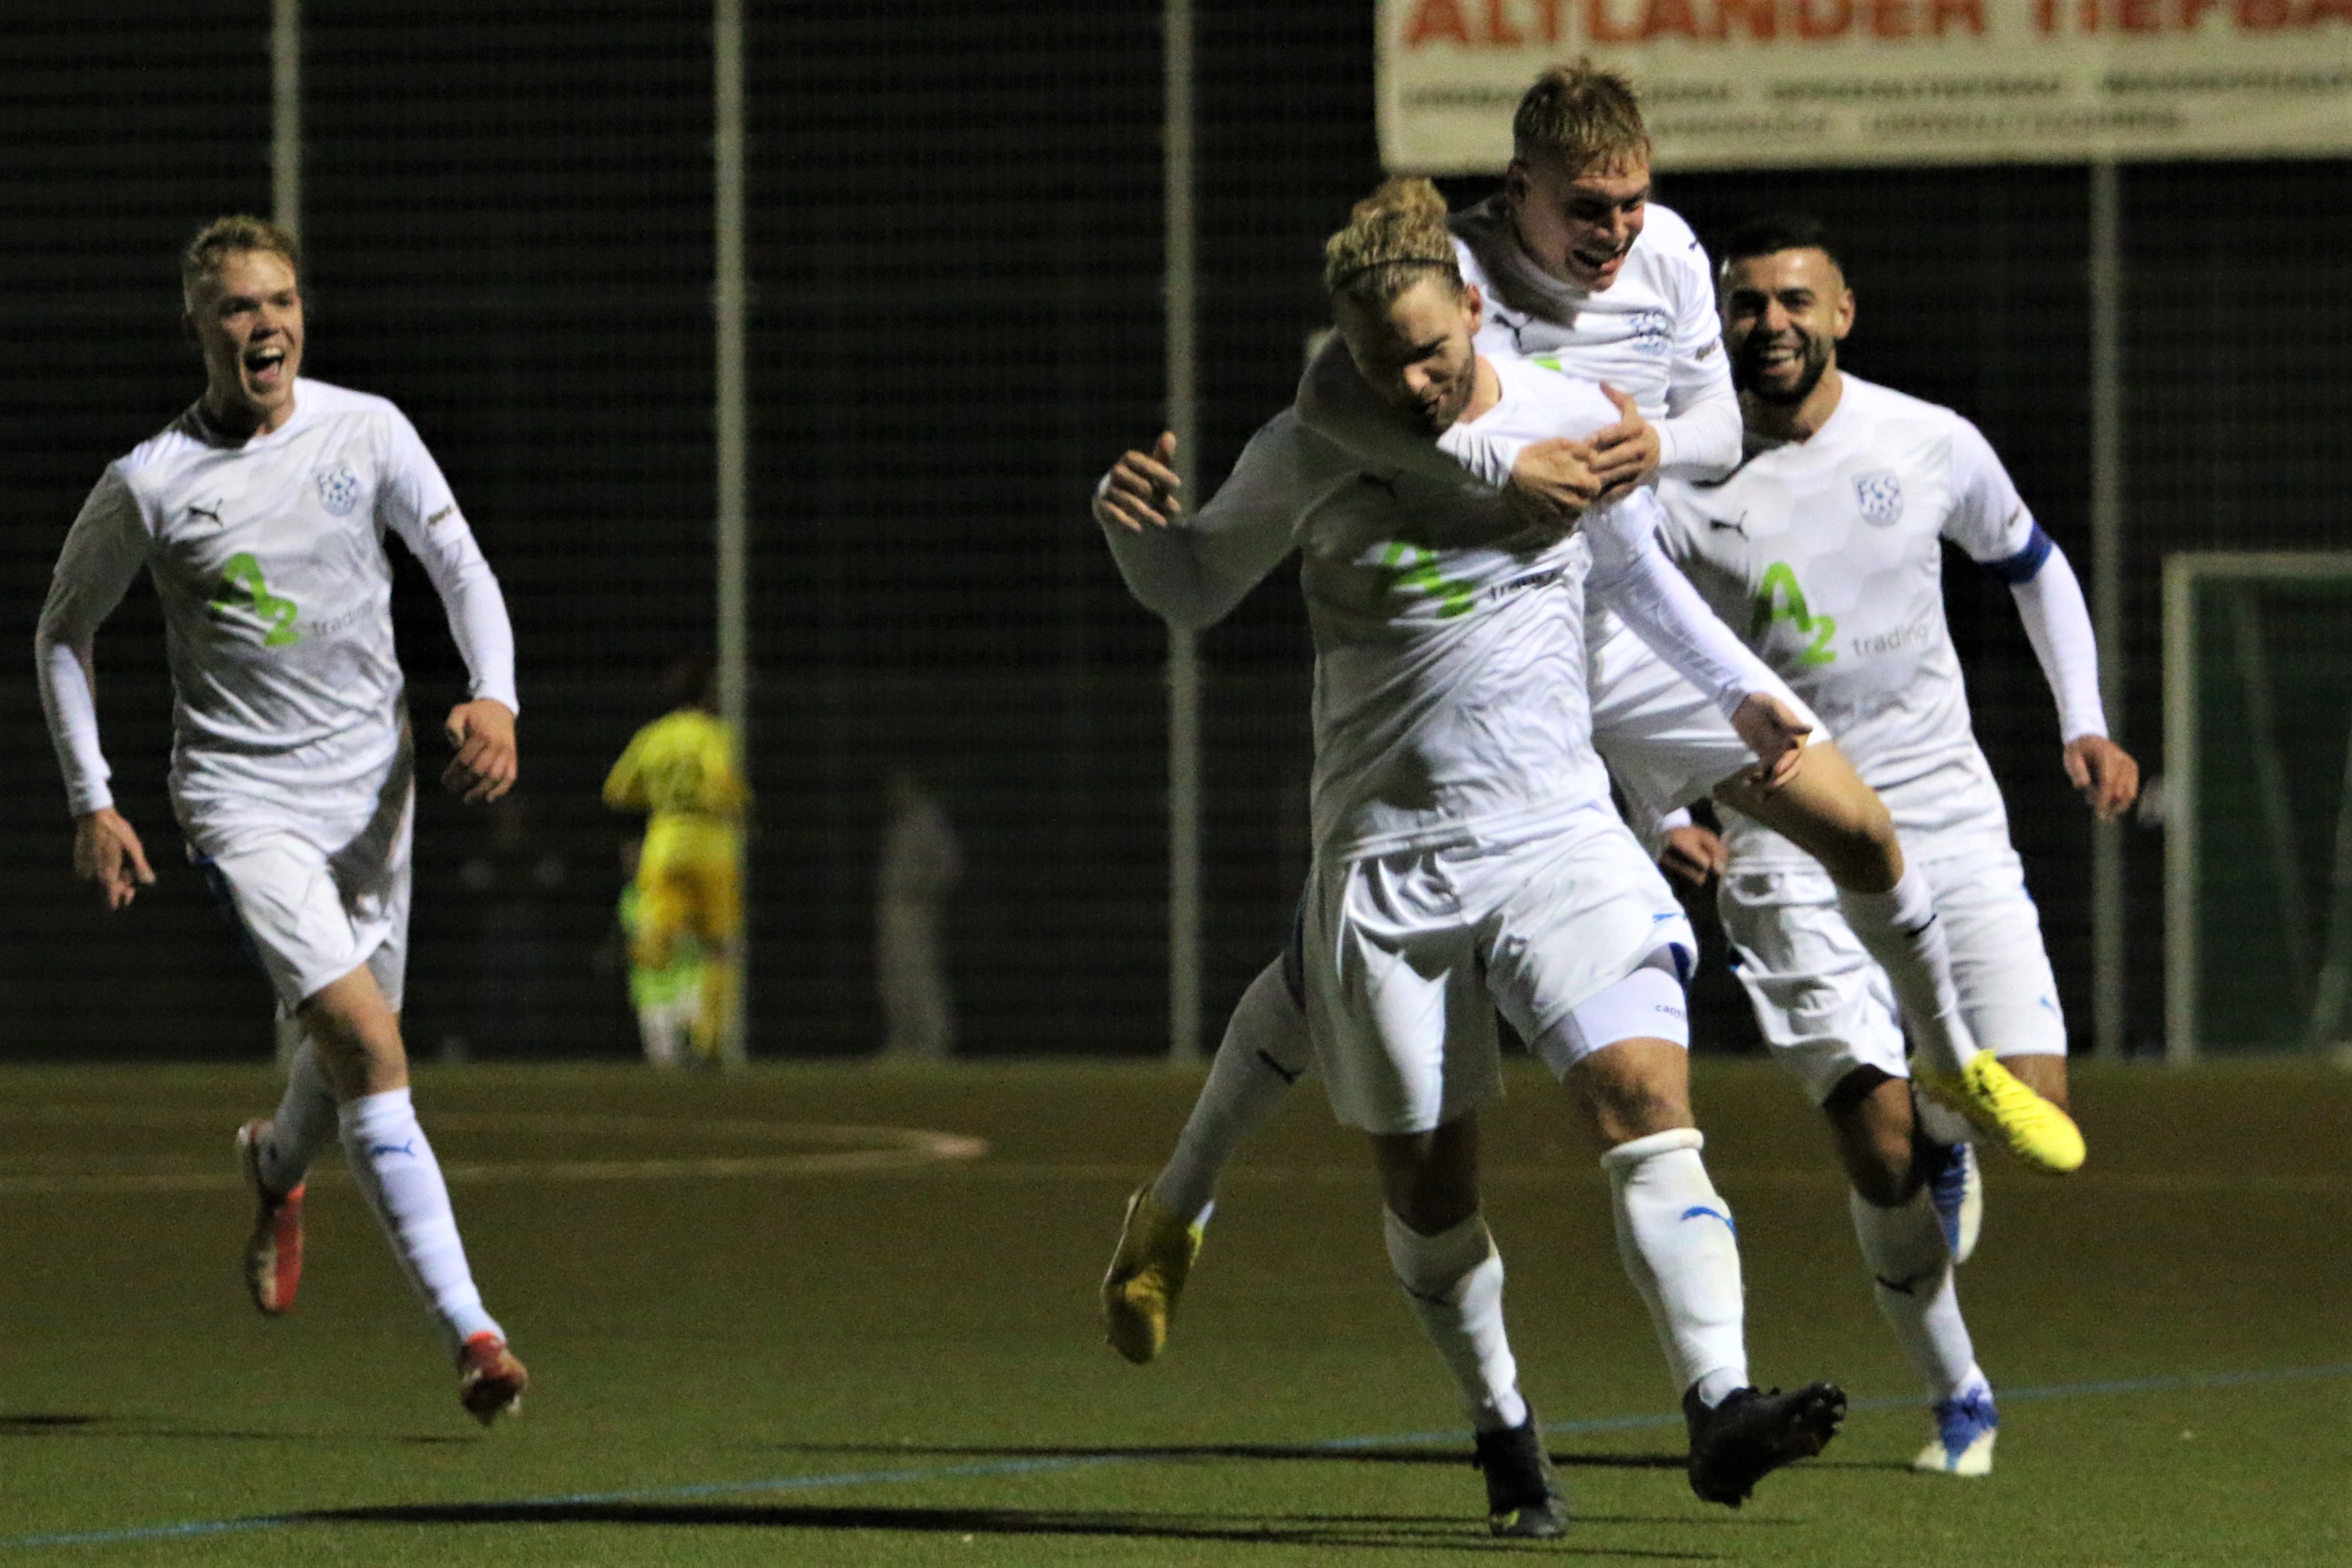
(237, 232)
(1582, 116)
(1395, 237)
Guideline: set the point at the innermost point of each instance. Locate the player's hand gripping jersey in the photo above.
(268, 557)
(1653, 335)
(1449, 700)
(1827, 555)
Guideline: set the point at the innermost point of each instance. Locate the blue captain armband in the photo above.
(2026, 564)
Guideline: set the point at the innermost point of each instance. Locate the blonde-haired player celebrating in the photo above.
(681, 771)
(1581, 271)
(261, 514)
(1467, 855)
(1827, 545)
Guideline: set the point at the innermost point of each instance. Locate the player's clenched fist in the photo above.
(483, 731)
(2104, 773)
(1141, 488)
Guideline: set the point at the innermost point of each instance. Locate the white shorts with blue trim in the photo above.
(1407, 958)
(1825, 1007)
(316, 897)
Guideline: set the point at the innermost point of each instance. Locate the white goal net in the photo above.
(2257, 808)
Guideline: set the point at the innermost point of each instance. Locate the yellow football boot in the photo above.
(1156, 1249)
(1997, 1103)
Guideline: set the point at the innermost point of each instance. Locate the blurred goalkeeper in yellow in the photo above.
(681, 771)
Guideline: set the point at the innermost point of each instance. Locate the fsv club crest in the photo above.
(1879, 494)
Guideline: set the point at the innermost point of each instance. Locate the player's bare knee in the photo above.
(1856, 843)
(358, 1035)
(1634, 1089)
(1429, 1180)
(1870, 1117)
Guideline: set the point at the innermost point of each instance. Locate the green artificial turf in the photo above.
(711, 1346)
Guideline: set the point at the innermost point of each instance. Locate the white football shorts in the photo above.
(1825, 1007)
(1664, 741)
(316, 897)
(1407, 958)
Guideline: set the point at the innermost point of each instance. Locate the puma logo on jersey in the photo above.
(1738, 525)
(209, 512)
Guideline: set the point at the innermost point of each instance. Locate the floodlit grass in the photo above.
(825, 1356)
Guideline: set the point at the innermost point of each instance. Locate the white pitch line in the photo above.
(845, 1149)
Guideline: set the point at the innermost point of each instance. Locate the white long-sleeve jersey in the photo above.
(1827, 555)
(1450, 701)
(268, 557)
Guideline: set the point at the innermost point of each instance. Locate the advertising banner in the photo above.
(1786, 83)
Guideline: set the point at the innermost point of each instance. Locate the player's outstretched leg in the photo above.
(1681, 1249)
(1445, 1260)
(1911, 1276)
(275, 1156)
(1264, 1052)
(401, 1180)
(1453, 1282)
(1840, 820)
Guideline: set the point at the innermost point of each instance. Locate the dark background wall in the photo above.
(955, 244)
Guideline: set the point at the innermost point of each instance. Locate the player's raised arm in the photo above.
(1191, 570)
(415, 502)
(102, 553)
(1142, 488)
(1990, 522)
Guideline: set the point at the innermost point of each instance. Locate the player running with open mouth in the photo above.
(260, 514)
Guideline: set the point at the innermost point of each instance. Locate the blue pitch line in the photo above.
(1140, 1455)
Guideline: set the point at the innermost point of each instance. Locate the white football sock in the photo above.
(401, 1182)
(1900, 928)
(1264, 1052)
(1942, 1125)
(304, 1123)
(1682, 1252)
(1911, 1272)
(1453, 1281)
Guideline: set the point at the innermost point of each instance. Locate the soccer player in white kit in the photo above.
(261, 514)
(1826, 548)
(1582, 272)
(1467, 857)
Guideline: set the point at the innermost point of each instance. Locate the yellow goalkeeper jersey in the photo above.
(682, 763)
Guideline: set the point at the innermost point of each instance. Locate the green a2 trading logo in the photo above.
(242, 588)
(1411, 566)
(1779, 598)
